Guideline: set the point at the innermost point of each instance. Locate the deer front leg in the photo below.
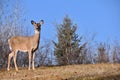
(29, 53)
(9, 59)
(15, 60)
(33, 57)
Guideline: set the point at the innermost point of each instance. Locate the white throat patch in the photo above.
(37, 32)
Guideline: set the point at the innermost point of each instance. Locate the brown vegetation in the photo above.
(70, 72)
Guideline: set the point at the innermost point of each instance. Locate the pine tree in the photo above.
(67, 49)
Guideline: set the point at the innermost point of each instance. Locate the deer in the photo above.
(27, 44)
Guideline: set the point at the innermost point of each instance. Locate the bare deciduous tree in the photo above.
(44, 54)
(103, 55)
(116, 52)
(10, 16)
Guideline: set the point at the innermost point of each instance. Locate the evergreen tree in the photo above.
(68, 49)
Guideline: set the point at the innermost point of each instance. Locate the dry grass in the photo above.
(70, 72)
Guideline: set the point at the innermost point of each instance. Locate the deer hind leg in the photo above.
(33, 56)
(14, 57)
(9, 59)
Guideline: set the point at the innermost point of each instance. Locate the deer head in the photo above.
(37, 25)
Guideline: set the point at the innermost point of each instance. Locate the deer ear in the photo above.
(32, 22)
(41, 22)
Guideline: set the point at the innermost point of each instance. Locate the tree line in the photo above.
(74, 49)
(70, 47)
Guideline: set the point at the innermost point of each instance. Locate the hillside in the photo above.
(70, 72)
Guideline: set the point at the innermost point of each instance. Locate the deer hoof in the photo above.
(28, 68)
(33, 68)
(8, 69)
(16, 69)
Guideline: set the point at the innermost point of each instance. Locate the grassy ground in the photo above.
(70, 72)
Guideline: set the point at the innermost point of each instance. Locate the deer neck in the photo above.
(36, 36)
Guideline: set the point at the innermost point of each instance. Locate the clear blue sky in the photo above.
(101, 17)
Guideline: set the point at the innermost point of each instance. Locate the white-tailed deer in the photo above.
(25, 44)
